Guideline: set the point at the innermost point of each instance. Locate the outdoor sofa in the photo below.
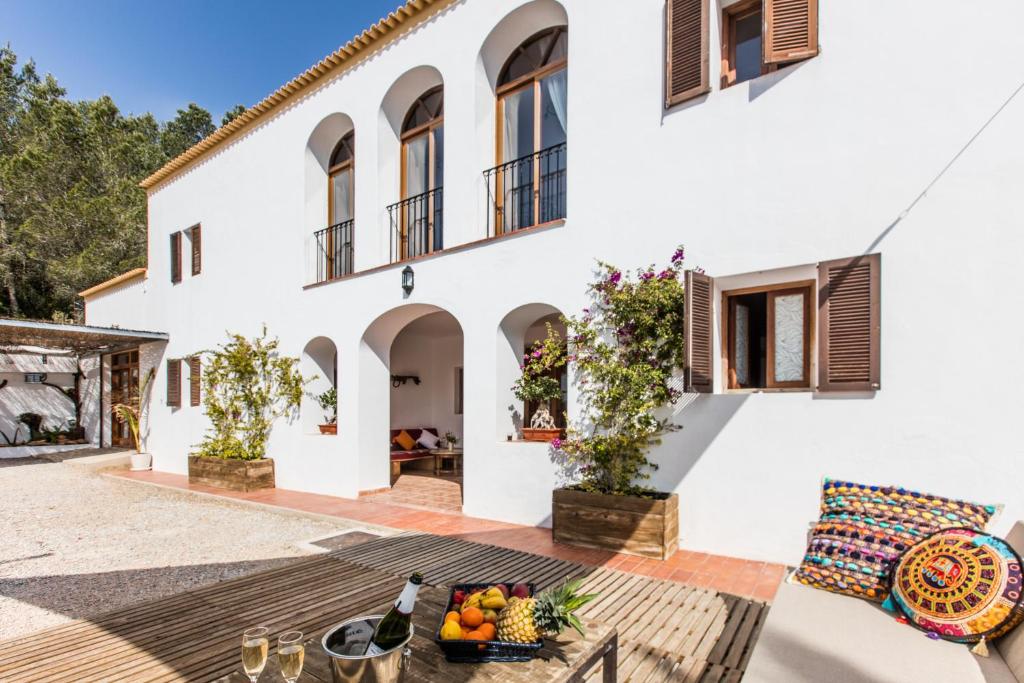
(400, 455)
(813, 635)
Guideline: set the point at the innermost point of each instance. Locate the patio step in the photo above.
(423, 491)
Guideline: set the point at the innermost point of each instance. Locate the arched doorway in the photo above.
(319, 362)
(416, 353)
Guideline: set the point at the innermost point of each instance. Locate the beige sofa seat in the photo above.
(811, 635)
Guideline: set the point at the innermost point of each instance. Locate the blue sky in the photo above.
(159, 56)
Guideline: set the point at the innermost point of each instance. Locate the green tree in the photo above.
(71, 211)
(189, 127)
(232, 114)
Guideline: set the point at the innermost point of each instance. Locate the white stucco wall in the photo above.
(18, 397)
(874, 145)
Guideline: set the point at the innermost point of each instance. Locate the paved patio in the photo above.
(735, 576)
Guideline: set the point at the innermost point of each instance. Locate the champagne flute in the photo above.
(290, 654)
(254, 651)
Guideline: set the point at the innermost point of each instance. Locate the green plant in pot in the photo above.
(627, 349)
(133, 414)
(329, 404)
(248, 385)
(538, 384)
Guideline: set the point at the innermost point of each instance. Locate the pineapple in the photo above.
(526, 620)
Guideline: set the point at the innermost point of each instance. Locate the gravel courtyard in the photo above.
(76, 544)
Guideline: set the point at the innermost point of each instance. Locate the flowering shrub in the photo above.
(626, 348)
(538, 381)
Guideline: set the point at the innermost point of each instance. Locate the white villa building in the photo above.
(851, 169)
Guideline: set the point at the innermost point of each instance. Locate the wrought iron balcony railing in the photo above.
(527, 191)
(333, 247)
(417, 225)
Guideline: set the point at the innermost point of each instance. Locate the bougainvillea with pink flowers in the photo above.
(627, 348)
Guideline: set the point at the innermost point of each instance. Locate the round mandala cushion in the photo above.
(961, 584)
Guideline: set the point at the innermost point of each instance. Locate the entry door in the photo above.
(124, 388)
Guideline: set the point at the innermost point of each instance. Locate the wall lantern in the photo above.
(408, 280)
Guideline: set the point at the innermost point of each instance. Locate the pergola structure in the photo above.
(79, 339)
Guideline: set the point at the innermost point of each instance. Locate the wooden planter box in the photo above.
(329, 429)
(636, 526)
(236, 475)
(530, 434)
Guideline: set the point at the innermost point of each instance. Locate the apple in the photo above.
(459, 597)
(504, 589)
(490, 616)
(520, 590)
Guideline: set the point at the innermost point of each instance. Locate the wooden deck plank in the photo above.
(667, 631)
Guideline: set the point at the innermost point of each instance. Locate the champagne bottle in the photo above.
(393, 629)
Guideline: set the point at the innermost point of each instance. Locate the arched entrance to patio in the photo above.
(411, 361)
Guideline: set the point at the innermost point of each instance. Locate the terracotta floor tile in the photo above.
(745, 577)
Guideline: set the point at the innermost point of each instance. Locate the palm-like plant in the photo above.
(132, 414)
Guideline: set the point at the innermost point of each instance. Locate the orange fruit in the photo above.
(465, 631)
(475, 635)
(488, 631)
(472, 617)
(452, 616)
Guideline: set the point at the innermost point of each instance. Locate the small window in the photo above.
(741, 43)
(758, 36)
(768, 337)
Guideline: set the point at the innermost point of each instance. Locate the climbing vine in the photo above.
(247, 386)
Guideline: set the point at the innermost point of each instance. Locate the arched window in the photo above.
(341, 194)
(421, 226)
(335, 241)
(530, 176)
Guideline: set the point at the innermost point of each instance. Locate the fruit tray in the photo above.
(473, 651)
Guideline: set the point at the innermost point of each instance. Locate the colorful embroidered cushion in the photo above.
(961, 584)
(863, 530)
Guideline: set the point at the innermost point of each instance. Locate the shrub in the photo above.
(247, 386)
(627, 347)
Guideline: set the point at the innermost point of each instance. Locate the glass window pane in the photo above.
(553, 111)
(561, 48)
(789, 338)
(517, 128)
(741, 352)
(416, 169)
(341, 200)
(748, 47)
(438, 157)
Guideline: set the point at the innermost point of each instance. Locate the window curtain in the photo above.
(342, 197)
(555, 91)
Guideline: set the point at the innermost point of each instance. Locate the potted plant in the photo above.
(247, 386)
(132, 414)
(451, 440)
(627, 348)
(329, 404)
(538, 383)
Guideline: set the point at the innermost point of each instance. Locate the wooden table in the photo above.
(564, 659)
(441, 454)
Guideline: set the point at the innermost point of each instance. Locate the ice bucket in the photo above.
(352, 636)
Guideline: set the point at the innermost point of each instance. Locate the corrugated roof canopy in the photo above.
(80, 339)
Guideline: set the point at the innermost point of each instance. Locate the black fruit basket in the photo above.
(475, 651)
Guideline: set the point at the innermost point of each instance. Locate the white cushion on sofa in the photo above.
(428, 440)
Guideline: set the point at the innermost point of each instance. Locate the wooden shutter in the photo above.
(686, 50)
(174, 383)
(197, 250)
(849, 324)
(790, 30)
(699, 330)
(193, 381)
(175, 257)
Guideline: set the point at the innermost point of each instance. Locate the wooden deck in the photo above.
(667, 631)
